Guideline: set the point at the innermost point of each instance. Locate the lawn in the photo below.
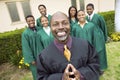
(113, 55)
(9, 72)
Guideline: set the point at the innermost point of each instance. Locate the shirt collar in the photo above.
(32, 28)
(61, 46)
(85, 22)
(46, 28)
(91, 16)
(47, 15)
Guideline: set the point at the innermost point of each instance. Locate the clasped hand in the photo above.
(71, 73)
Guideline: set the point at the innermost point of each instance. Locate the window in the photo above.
(81, 3)
(26, 8)
(13, 11)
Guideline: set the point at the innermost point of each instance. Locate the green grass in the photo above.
(28, 76)
(113, 56)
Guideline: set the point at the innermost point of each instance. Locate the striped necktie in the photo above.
(67, 53)
(89, 18)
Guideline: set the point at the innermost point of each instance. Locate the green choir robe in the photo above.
(38, 23)
(45, 39)
(72, 23)
(95, 36)
(86, 32)
(31, 47)
(99, 21)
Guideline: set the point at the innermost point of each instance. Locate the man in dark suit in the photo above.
(53, 64)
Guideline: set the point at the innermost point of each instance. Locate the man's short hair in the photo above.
(43, 16)
(90, 4)
(42, 5)
(28, 16)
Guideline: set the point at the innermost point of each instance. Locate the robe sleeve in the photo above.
(73, 31)
(103, 27)
(91, 70)
(43, 72)
(38, 23)
(26, 50)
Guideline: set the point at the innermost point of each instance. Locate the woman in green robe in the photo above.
(72, 15)
(39, 23)
(83, 29)
(45, 32)
(31, 46)
(90, 32)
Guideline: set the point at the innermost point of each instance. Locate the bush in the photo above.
(109, 19)
(10, 43)
(15, 58)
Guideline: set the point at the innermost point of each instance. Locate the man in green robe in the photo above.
(88, 31)
(101, 28)
(97, 19)
(31, 46)
(43, 11)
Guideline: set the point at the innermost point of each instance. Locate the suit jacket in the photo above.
(51, 63)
